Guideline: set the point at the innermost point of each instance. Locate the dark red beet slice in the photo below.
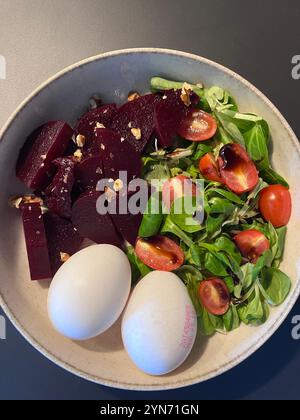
(89, 172)
(36, 242)
(87, 123)
(90, 224)
(34, 166)
(117, 155)
(127, 224)
(168, 114)
(136, 114)
(62, 239)
(58, 193)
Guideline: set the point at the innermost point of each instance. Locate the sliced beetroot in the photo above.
(58, 193)
(136, 114)
(117, 155)
(88, 122)
(36, 241)
(127, 224)
(89, 172)
(92, 225)
(168, 114)
(63, 239)
(34, 166)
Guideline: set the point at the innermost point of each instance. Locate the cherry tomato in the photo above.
(197, 126)
(275, 204)
(177, 187)
(159, 253)
(252, 244)
(209, 168)
(214, 295)
(237, 169)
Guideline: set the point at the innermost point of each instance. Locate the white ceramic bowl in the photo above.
(65, 96)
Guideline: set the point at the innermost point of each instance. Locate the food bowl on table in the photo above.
(64, 97)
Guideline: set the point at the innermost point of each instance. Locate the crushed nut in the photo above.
(122, 139)
(78, 154)
(43, 157)
(165, 97)
(64, 256)
(80, 140)
(130, 125)
(102, 146)
(99, 170)
(186, 94)
(118, 185)
(110, 194)
(99, 125)
(25, 199)
(132, 96)
(136, 132)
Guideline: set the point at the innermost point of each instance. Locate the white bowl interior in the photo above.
(103, 359)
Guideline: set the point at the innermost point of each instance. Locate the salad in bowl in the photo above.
(177, 189)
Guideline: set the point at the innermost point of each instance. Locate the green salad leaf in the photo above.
(276, 284)
(153, 217)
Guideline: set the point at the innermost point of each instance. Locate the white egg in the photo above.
(159, 325)
(89, 292)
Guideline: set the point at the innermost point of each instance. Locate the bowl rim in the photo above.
(173, 384)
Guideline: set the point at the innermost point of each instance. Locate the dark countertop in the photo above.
(256, 39)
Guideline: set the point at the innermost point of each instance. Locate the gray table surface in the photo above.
(257, 39)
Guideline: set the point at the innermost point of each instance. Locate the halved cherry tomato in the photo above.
(197, 126)
(237, 169)
(159, 253)
(209, 168)
(275, 204)
(214, 295)
(177, 187)
(252, 244)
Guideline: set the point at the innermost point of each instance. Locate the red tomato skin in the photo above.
(198, 125)
(209, 168)
(174, 189)
(275, 204)
(160, 253)
(252, 244)
(237, 170)
(214, 296)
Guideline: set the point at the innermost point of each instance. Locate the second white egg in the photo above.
(159, 324)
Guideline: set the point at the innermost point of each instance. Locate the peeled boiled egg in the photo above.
(159, 325)
(89, 292)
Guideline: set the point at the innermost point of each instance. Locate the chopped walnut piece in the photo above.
(99, 125)
(137, 133)
(64, 256)
(118, 185)
(132, 96)
(80, 140)
(78, 154)
(109, 194)
(186, 93)
(25, 199)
